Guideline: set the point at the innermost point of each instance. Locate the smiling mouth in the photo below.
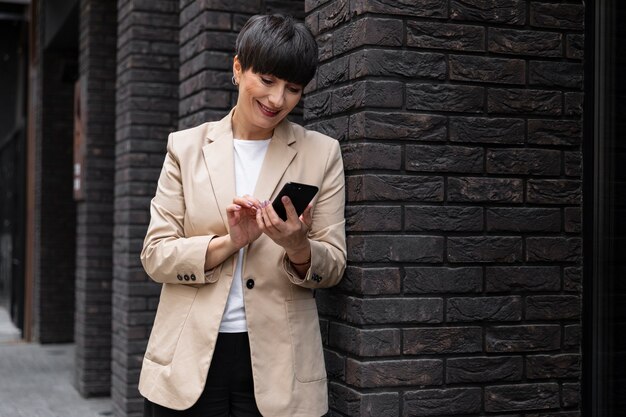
(267, 111)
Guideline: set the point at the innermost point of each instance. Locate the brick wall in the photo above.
(54, 276)
(94, 271)
(460, 125)
(146, 111)
(54, 239)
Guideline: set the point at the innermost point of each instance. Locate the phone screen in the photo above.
(300, 195)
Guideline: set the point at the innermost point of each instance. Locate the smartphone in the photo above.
(300, 195)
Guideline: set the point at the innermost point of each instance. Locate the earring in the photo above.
(234, 81)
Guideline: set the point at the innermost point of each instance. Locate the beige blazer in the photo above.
(196, 184)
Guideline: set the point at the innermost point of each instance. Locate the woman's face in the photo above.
(264, 100)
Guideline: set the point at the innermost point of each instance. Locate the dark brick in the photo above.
(335, 128)
(521, 397)
(445, 36)
(335, 364)
(557, 15)
(318, 105)
(411, 126)
(361, 342)
(394, 373)
(572, 336)
(371, 156)
(310, 5)
(442, 340)
(425, 8)
(354, 403)
(573, 220)
(484, 130)
(512, 12)
(524, 161)
(517, 101)
(554, 191)
(560, 249)
(332, 15)
(573, 163)
(367, 31)
(479, 189)
(396, 63)
(523, 278)
(570, 395)
(555, 132)
(573, 279)
(394, 248)
(484, 249)
(435, 280)
(440, 402)
(372, 281)
(555, 74)
(575, 46)
(394, 188)
(445, 97)
(574, 104)
(333, 72)
(504, 219)
(373, 218)
(367, 94)
(553, 366)
(394, 310)
(523, 338)
(484, 369)
(487, 69)
(467, 309)
(525, 42)
(437, 158)
(447, 218)
(553, 307)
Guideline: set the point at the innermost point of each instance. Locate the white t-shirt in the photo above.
(249, 156)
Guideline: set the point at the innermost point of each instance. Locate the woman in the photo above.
(236, 330)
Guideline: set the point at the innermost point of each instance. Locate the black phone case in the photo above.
(300, 195)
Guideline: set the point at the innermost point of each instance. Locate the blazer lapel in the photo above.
(277, 159)
(219, 159)
(220, 162)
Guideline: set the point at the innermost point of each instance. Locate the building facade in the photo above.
(483, 179)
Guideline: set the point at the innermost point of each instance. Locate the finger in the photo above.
(271, 219)
(307, 216)
(247, 201)
(289, 209)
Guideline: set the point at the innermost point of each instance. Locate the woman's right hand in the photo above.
(242, 220)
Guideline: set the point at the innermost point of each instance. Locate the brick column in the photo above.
(95, 212)
(460, 127)
(146, 111)
(208, 31)
(54, 239)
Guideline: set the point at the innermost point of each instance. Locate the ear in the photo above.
(237, 70)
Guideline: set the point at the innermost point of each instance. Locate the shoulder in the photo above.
(191, 139)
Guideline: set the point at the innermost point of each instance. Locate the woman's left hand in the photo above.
(290, 234)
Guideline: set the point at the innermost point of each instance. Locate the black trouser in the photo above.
(229, 389)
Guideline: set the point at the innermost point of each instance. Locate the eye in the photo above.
(294, 89)
(266, 81)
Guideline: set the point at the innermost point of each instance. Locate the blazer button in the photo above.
(250, 283)
(186, 277)
(180, 277)
(193, 277)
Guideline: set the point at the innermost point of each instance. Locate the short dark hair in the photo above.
(278, 45)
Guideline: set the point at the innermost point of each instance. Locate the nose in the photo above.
(277, 97)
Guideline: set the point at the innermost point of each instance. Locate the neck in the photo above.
(243, 130)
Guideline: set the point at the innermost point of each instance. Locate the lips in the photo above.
(267, 111)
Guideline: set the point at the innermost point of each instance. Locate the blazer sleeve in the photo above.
(168, 256)
(328, 234)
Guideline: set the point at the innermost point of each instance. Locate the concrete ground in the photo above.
(36, 380)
